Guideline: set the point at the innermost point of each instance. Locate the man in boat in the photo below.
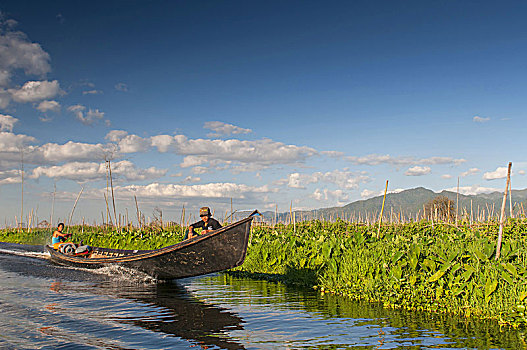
(207, 223)
(59, 237)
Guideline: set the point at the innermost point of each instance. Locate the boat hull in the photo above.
(212, 252)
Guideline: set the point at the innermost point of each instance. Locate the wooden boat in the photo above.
(215, 251)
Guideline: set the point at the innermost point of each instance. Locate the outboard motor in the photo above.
(67, 248)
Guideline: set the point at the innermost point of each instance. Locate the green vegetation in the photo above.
(426, 266)
(151, 237)
(416, 266)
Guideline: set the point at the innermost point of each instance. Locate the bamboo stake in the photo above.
(502, 216)
(382, 210)
(510, 199)
(138, 215)
(457, 201)
(113, 197)
(74, 205)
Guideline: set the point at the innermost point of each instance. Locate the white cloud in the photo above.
(368, 194)
(10, 177)
(10, 142)
(332, 154)
(417, 171)
(499, 173)
(92, 92)
(17, 52)
(230, 152)
(133, 144)
(446, 176)
(376, 159)
(479, 119)
(191, 179)
(343, 179)
(328, 195)
(7, 122)
(115, 135)
(224, 129)
(33, 91)
(86, 118)
(45, 106)
(472, 190)
(521, 172)
(172, 191)
(471, 171)
(200, 170)
(83, 172)
(365, 194)
(121, 87)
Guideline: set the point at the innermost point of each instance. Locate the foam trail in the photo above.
(39, 255)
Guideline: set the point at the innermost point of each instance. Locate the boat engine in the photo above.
(67, 248)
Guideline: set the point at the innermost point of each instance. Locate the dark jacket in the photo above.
(212, 224)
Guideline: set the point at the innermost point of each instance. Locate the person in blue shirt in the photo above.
(59, 237)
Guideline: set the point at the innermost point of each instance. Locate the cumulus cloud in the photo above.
(224, 129)
(479, 119)
(85, 171)
(86, 117)
(10, 177)
(196, 152)
(471, 171)
(472, 190)
(7, 122)
(499, 173)
(328, 195)
(33, 91)
(521, 172)
(173, 191)
(376, 159)
(46, 106)
(17, 52)
(343, 179)
(446, 176)
(418, 171)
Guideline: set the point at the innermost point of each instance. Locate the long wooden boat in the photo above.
(215, 251)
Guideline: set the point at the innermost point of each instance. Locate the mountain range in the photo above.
(409, 204)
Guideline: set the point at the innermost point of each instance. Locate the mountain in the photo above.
(409, 203)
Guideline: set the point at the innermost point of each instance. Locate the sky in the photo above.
(268, 103)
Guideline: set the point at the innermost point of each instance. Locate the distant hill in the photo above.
(408, 204)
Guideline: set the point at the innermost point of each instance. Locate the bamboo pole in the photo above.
(510, 200)
(74, 205)
(502, 216)
(382, 210)
(113, 197)
(138, 213)
(457, 201)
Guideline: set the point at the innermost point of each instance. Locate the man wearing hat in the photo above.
(207, 223)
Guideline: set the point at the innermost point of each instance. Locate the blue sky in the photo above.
(266, 102)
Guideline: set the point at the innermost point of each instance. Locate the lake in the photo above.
(45, 306)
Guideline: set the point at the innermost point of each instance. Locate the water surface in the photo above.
(45, 306)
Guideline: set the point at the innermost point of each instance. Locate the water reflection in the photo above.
(177, 313)
(355, 323)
